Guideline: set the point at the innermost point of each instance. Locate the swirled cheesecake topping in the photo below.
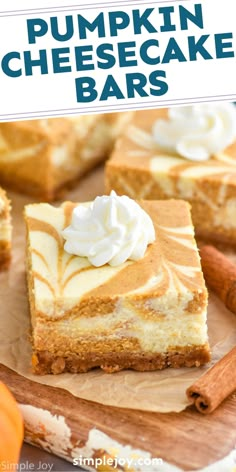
(197, 132)
(111, 230)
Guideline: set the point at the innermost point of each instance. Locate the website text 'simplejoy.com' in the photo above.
(116, 462)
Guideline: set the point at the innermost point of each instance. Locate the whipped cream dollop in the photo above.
(197, 132)
(110, 230)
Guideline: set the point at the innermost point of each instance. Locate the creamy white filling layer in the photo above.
(226, 216)
(186, 187)
(89, 150)
(154, 336)
(99, 140)
(5, 232)
(2, 204)
(20, 154)
(60, 155)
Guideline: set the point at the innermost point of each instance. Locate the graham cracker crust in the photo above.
(45, 362)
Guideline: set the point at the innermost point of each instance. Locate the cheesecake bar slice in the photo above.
(140, 168)
(146, 314)
(44, 157)
(5, 230)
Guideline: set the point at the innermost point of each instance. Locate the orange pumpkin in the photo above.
(11, 430)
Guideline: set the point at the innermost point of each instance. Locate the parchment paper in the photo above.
(162, 391)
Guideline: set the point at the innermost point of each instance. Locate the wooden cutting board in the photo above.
(188, 440)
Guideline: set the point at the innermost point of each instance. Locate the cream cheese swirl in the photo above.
(197, 132)
(111, 230)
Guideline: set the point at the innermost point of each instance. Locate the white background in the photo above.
(55, 95)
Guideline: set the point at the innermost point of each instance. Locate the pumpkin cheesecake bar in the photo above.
(5, 230)
(183, 153)
(43, 157)
(144, 313)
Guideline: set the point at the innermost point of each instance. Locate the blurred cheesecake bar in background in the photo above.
(138, 301)
(5, 230)
(44, 157)
(184, 152)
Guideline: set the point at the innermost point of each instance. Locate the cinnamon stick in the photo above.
(220, 275)
(208, 392)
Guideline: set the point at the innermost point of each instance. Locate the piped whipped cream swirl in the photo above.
(110, 230)
(197, 132)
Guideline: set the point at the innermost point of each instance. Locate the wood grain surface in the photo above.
(188, 440)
